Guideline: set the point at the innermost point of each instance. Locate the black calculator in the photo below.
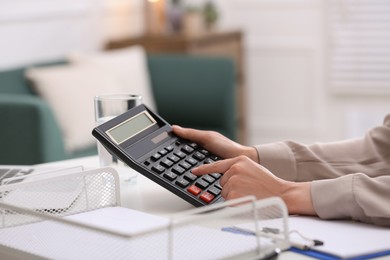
(145, 142)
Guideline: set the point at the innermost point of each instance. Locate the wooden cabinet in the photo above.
(228, 44)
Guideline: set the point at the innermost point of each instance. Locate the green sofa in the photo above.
(190, 91)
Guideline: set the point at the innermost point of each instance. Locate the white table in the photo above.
(145, 195)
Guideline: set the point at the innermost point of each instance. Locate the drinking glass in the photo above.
(106, 108)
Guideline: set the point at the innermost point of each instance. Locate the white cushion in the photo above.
(70, 91)
(128, 65)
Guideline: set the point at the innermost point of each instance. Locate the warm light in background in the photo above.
(155, 18)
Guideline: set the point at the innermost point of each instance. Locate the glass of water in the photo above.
(107, 107)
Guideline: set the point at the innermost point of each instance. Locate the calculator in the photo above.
(145, 141)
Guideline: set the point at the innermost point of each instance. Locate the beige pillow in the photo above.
(70, 91)
(128, 65)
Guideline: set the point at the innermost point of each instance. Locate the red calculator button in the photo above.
(194, 190)
(207, 197)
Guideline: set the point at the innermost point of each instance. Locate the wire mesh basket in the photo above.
(78, 216)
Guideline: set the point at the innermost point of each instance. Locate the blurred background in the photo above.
(307, 70)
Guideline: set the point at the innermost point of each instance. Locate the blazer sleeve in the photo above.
(350, 179)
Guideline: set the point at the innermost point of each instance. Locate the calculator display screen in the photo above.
(131, 127)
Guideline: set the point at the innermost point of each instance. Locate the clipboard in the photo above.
(340, 239)
(343, 239)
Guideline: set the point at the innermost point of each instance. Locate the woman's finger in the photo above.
(194, 135)
(216, 167)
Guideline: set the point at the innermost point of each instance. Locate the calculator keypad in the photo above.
(174, 163)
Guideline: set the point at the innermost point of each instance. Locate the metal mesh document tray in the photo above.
(78, 216)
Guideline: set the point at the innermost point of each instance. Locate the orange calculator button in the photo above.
(194, 190)
(207, 197)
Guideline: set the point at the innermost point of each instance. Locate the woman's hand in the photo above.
(242, 173)
(216, 143)
(242, 177)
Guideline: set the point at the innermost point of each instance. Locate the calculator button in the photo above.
(208, 178)
(199, 156)
(193, 145)
(189, 176)
(191, 161)
(204, 151)
(218, 186)
(185, 165)
(156, 156)
(207, 197)
(216, 175)
(178, 170)
(169, 148)
(214, 191)
(202, 184)
(208, 161)
(158, 168)
(181, 155)
(147, 163)
(187, 149)
(174, 158)
(167, 163)
(214, 157)
(170, 176)
(182, 183)
(194, 190)
(163, 152)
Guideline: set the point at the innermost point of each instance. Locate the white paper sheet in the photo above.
(121, 220)
(346, 239)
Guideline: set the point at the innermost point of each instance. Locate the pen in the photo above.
(272, 231)
(300, 246)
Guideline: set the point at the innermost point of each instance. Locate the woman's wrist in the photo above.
(251, 153)
(297, 197)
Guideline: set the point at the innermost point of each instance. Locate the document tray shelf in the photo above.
(40, 230)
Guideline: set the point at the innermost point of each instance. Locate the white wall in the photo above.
(43, 30)
(288, 88)
(286, 46)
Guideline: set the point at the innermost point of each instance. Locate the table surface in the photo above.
(146, 196)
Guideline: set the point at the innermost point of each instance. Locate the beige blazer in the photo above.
(350, 179)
